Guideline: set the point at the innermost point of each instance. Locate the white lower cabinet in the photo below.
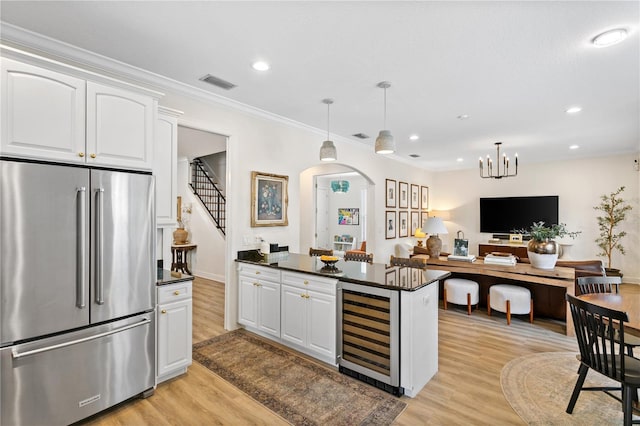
(295, 309)
(174, 322)
(309, 315)
(259, 299)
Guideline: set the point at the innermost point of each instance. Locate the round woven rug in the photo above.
(539, 387)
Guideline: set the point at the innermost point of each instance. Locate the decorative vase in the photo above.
(180, 236)
(542, 254)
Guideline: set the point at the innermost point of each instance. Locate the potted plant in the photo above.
(542, 249)
(614, 210)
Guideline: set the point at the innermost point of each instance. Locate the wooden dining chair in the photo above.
(588, 285)
(358, 256)
(320, 252)
(598, 351)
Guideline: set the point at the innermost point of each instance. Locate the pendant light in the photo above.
(384, 141)
(328, 149)
(491, 173)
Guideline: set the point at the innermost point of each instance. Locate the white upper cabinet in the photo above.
(120, 127)
(165, 164)
(43, 113)
(75, 117)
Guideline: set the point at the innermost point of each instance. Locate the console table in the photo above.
(179, 257)
(558, 277)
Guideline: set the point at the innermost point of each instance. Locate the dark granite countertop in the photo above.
(165, 277)
(376, 274)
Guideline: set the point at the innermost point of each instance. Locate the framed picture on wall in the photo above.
(403, 224)
(415, 196)
(390, 224)
(423, 218)
(269, 199)
(349, 216)
(403, 195)
(390, 193)
(424, 198)
(415, 222)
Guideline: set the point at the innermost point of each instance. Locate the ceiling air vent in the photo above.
(217, 82)
(414, 155)
(361, 136)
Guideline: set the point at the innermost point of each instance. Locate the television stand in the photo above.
(519, 250)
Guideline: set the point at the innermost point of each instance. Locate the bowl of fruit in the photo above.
(329, 261)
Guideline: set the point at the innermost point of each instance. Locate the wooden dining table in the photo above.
(625, 301)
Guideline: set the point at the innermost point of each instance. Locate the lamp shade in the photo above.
(385, 143)
(328, 151)
(434, 226)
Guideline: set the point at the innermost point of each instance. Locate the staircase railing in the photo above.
(209, 194)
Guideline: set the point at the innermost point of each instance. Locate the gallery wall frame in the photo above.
(415, 197)
(390, 193)
(269, 199)
(424, 198)
(390, 224)
(403, 195)
(403, 223)
(415, 222)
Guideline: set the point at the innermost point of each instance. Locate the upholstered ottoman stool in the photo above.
(510, 299)
(461, 292)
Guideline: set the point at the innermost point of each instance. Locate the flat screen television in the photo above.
(504, 214)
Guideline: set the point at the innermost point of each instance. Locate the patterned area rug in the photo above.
(299, 390)
(539, 387)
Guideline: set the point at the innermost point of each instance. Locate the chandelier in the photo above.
(340, 186)
(498, 174)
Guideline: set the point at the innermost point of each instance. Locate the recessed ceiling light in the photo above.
(574, 110)
(609, 38)
(460, 160)
(414, 137)
(260, 66)
(463, 117)
(574, 147)
(414, 155)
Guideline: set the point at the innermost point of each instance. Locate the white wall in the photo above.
(579, 184)
(285, 148)
(208, 259)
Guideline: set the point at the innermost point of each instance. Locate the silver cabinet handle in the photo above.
(16, 355)
(81, 248)
(99, 245)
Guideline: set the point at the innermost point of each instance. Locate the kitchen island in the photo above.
(378, 323)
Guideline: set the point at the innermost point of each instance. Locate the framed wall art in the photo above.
(415, 196)
(415, 222)
(349, 216)
(269, 199)
(423, 218)
(390, 224)
(390, 193)
(424, 198)
(403, 224)
(403, 195)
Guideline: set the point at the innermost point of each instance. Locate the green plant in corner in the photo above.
(614, 209)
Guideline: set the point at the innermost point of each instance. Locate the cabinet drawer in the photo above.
(259, 272)
(174, 292)
(310, 282)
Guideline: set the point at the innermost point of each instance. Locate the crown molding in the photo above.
(48, 47)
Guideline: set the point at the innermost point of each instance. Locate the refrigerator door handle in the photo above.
(15, 354)
(81, 248)
(99, 246)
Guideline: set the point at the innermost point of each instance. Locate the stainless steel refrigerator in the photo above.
(77, 290)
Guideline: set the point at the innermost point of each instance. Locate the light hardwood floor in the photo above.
(466, 390)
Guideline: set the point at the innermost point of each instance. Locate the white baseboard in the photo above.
(209, 276)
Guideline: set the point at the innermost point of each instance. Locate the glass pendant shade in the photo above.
(385, 143)
(328, 151)
(340, 185)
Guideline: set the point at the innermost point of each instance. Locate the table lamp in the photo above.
(434, 226)
(419, 234)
